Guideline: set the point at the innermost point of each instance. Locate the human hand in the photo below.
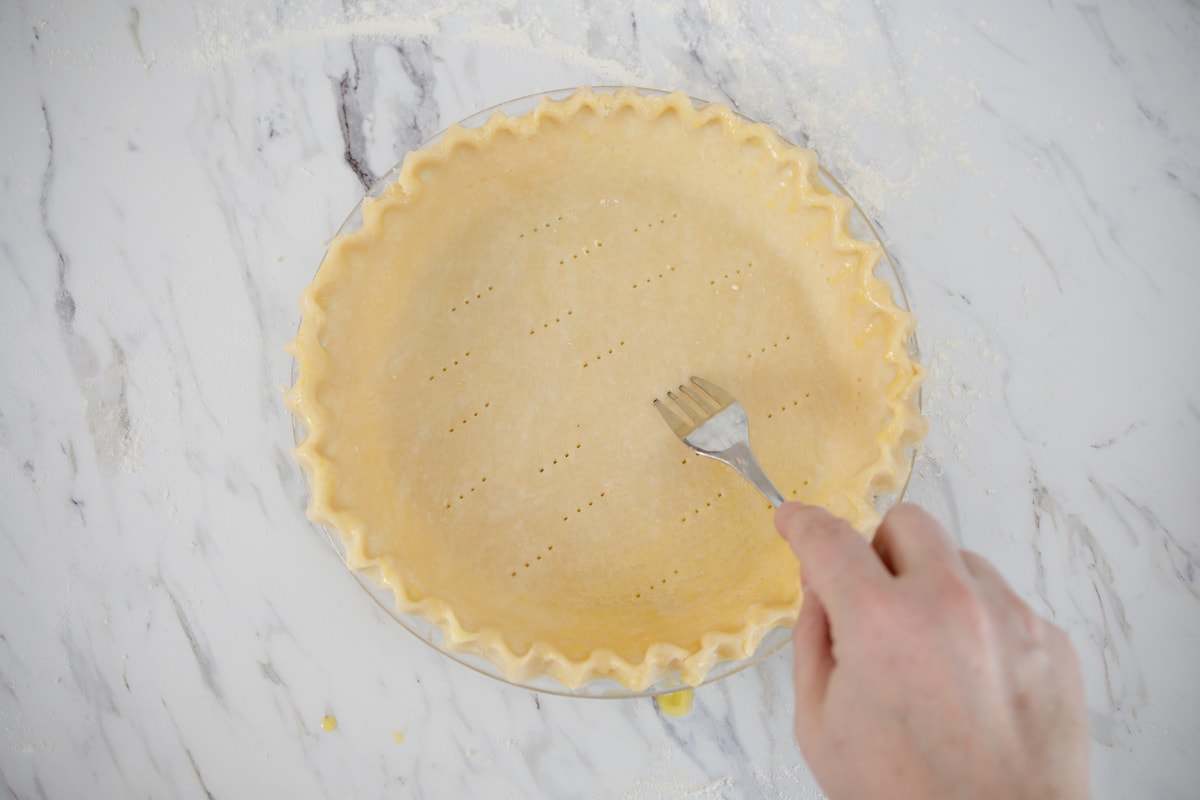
(921, 674)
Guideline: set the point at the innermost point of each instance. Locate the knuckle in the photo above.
(952, 585)
(958, 599)
(827, 528)
(881, 614)
(975, 562)
(1059, 641)
(824, 538)
(872, 598)
(904, 515)
(903, 511)
(1034, 625)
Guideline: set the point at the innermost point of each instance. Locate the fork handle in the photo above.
(741, 457)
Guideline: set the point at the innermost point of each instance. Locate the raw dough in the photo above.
(477, 365)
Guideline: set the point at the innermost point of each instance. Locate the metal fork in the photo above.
(716, 426)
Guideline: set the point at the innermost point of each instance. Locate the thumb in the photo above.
(790, 521)
(812, 663)
(812, 649)
(835, 560)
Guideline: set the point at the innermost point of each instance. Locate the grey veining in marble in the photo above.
(170, 624)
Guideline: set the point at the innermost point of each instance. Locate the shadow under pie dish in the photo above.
(476, 361)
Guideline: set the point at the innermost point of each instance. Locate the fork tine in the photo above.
(718, 429)
(687, 408)
(703, 402)
(680, 426)
(720, 395)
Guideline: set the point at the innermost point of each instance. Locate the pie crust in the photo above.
(476, 366)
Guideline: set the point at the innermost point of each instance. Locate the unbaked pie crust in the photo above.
(476, 366)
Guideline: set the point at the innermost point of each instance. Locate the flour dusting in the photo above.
(826, 74)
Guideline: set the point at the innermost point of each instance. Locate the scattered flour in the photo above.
(233, 31)
(664, 787)
(826, 73)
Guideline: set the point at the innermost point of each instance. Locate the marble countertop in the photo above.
(172, 626)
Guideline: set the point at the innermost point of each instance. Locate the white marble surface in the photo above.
(171, 626)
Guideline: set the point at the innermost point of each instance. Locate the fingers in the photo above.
(909, 537)
(835, 560)
(983, 571)
(1009, 605)
(812, 663)
(998, 590)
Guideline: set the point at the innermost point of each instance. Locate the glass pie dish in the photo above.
(763, 643)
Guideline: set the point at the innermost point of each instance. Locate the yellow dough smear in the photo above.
(329, 723)
(675, 704)
(477, 365)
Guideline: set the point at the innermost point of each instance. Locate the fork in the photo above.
(716, 426)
